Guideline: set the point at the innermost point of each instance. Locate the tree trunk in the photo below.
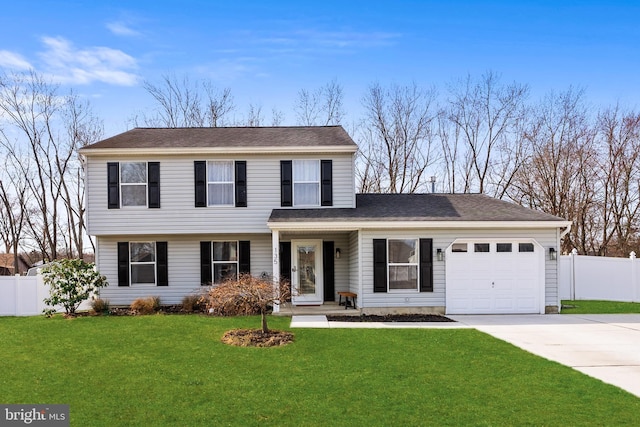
(265, 329)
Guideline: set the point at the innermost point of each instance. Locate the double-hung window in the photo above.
(306, 183)
(225, 261)
(142, 262)
(403, 264)
(220, 179)
(133, 183)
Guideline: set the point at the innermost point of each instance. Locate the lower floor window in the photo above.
(225, 261)
(142, 262)
(403, 264)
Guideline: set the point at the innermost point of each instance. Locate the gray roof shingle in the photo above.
(417, 207)
(223, 137)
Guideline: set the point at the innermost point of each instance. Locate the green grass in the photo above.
(599, 307)
(173, 370)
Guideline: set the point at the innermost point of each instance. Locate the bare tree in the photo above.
(619, 136)
(488, 116)
(181, 103)
(397, 138)
(254, 116)
(321, 107)
(41, 135)
(559, 176)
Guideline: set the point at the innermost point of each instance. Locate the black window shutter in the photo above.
(286, 183)
(285, 261)
(123, 263)
(154, 184)
(379, 265)
(200, 172)
(241, 184)
(162, 263)
(326, 185)
(244, 256)
(205, 264)
(113, 185)
(328, 270)
(426, 265)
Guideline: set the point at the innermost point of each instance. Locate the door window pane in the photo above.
(307, 269)
(459, 247)
(481, 247)
(525, 247)
(503, 247)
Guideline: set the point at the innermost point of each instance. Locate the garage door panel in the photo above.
(494, 282)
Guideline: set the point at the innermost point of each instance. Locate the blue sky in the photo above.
(266, 51)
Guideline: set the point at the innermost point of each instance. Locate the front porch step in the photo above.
(327, 308)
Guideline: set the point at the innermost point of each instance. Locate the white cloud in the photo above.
(13, 61)
(68, 64)
(120, 28)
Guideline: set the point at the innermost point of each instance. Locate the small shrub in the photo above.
(100, 306)
(70, 281)
(192, 304)
(146, 305)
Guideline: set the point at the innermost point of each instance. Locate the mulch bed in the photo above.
(257, 338)
(390, 318)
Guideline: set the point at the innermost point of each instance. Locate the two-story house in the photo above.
(173, 210)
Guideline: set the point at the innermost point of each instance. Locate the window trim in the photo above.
(154, 263)
(415, 264)
(146, 185)
(294, 181)
(232, 182)
(213, 262)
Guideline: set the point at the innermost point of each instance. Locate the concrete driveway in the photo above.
(604, 346)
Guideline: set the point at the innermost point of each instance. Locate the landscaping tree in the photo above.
(71, 281)
(247, 295)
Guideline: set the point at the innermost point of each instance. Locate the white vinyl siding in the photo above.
(442, 239)
(179, 215)
(183, 266)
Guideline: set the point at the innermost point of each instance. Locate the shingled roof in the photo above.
(417, 207)
(226, 137)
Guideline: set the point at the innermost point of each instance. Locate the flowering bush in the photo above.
(71, 281)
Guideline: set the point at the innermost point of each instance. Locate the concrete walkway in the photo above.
(603, 346)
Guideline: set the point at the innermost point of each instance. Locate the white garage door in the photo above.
(494, 277)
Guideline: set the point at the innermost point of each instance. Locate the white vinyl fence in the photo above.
(22, 295)
(599, 278)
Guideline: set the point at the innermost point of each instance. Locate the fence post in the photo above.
(18, 296)
(634, 277)
(574, 254)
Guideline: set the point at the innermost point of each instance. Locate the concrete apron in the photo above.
(603, 346)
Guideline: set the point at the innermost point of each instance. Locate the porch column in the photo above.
(275, 249)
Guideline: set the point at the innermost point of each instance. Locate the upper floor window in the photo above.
(133, 183)
(306, 183)
(220, 183)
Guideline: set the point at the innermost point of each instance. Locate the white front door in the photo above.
(306, 272)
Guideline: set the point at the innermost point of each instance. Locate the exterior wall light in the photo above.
(337, 253)
(439, 254)
(553, 255)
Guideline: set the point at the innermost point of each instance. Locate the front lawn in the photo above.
(598, 307)
(173, 370)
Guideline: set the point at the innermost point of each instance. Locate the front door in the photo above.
(306, 272)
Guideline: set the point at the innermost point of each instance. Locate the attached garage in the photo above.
(494, 277)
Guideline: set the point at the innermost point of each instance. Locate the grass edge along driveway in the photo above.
(173, 370)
